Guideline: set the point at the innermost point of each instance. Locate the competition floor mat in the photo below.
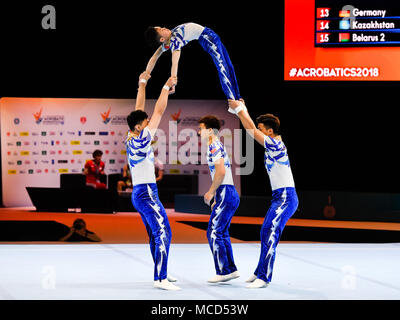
(316, 260)
(302, 271)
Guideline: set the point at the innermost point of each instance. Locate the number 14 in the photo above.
(324, 25)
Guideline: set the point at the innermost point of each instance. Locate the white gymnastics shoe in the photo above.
(224, 278)
(171, 278)
(251, 279)
(165, 285)
(258, 283)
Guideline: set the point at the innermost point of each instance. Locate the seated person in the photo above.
(158, 166)
(126, 183)
(93, 169)
(159, 169)
(78, 232)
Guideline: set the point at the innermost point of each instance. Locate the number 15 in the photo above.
(323, 37)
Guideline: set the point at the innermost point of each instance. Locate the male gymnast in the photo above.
(145, 193)
(181, 35)
(284, 197)
(226, 201)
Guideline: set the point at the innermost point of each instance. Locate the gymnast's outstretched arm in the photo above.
(153, 60)
(161, 105)
(141, 94)
(246, 120)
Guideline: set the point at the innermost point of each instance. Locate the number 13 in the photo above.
(324, 13)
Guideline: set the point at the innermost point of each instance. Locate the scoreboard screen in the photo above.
(352, 40)
(357, 23)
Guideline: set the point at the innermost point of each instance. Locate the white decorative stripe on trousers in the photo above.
(160, 221)
(271, 239)
(220, 65)
(213, 235)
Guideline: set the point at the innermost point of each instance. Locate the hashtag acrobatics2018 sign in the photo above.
(344, 72)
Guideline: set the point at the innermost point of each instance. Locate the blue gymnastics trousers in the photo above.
(283, 205)
(145, 200)
(227, 201)
(212, 44)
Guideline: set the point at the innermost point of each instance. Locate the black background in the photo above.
(339, 135)
(392, 8)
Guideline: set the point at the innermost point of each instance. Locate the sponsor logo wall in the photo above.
(43, 138)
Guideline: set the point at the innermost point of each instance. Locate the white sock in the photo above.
(232, 110)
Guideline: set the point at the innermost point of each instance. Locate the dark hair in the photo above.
(97, 153)
(79, 224)
(211, 122)
(152, 37)
(270, 122)
(136, 117)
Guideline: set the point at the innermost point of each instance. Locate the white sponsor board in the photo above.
(44, 137)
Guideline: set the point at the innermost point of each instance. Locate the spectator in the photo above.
(78, 232)
(93, 169)
(126, 181)
(158, 165)
(159, 169)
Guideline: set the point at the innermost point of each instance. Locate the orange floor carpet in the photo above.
(127, 227)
